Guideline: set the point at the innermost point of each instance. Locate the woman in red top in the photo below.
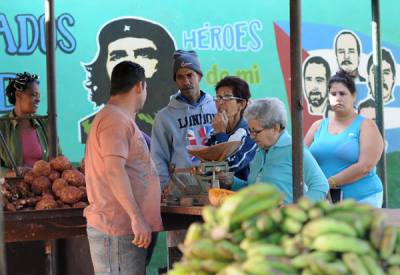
(26, 138)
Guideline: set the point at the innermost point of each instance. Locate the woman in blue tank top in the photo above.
(347, 146)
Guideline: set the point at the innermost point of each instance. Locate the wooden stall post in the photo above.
(377, 63)
(297, 99)
(51, 247)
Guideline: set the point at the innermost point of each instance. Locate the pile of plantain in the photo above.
(252, 233)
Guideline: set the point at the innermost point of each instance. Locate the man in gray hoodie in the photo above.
(186, 120)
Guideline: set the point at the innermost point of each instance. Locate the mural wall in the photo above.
(350, 51)
(250, 40)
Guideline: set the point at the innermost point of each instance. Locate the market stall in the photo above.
(70, 224)
(67, 223)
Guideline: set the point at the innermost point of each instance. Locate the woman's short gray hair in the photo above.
(268, 111)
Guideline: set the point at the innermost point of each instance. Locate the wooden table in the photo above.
(69, 226)
(44, 224)
(66, 223)
(62, 225)
(179, 217)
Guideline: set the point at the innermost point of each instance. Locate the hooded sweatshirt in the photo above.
(176, 126)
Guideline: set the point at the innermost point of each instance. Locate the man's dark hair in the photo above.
(321, 61)
(21, 82)
(98, 81)
(355, 38)
(387, 56)
(124, 76)
(345, 78)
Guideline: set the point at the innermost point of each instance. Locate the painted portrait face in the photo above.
(138, 40)
(387, 81)
(315, 84)
(138, 50)
(347, 54)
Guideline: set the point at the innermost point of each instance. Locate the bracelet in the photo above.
(332, 182)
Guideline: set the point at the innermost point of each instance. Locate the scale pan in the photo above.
(218, 152)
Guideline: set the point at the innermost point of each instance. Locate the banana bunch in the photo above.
(253, 233)
(215, 246)
(345, 238)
